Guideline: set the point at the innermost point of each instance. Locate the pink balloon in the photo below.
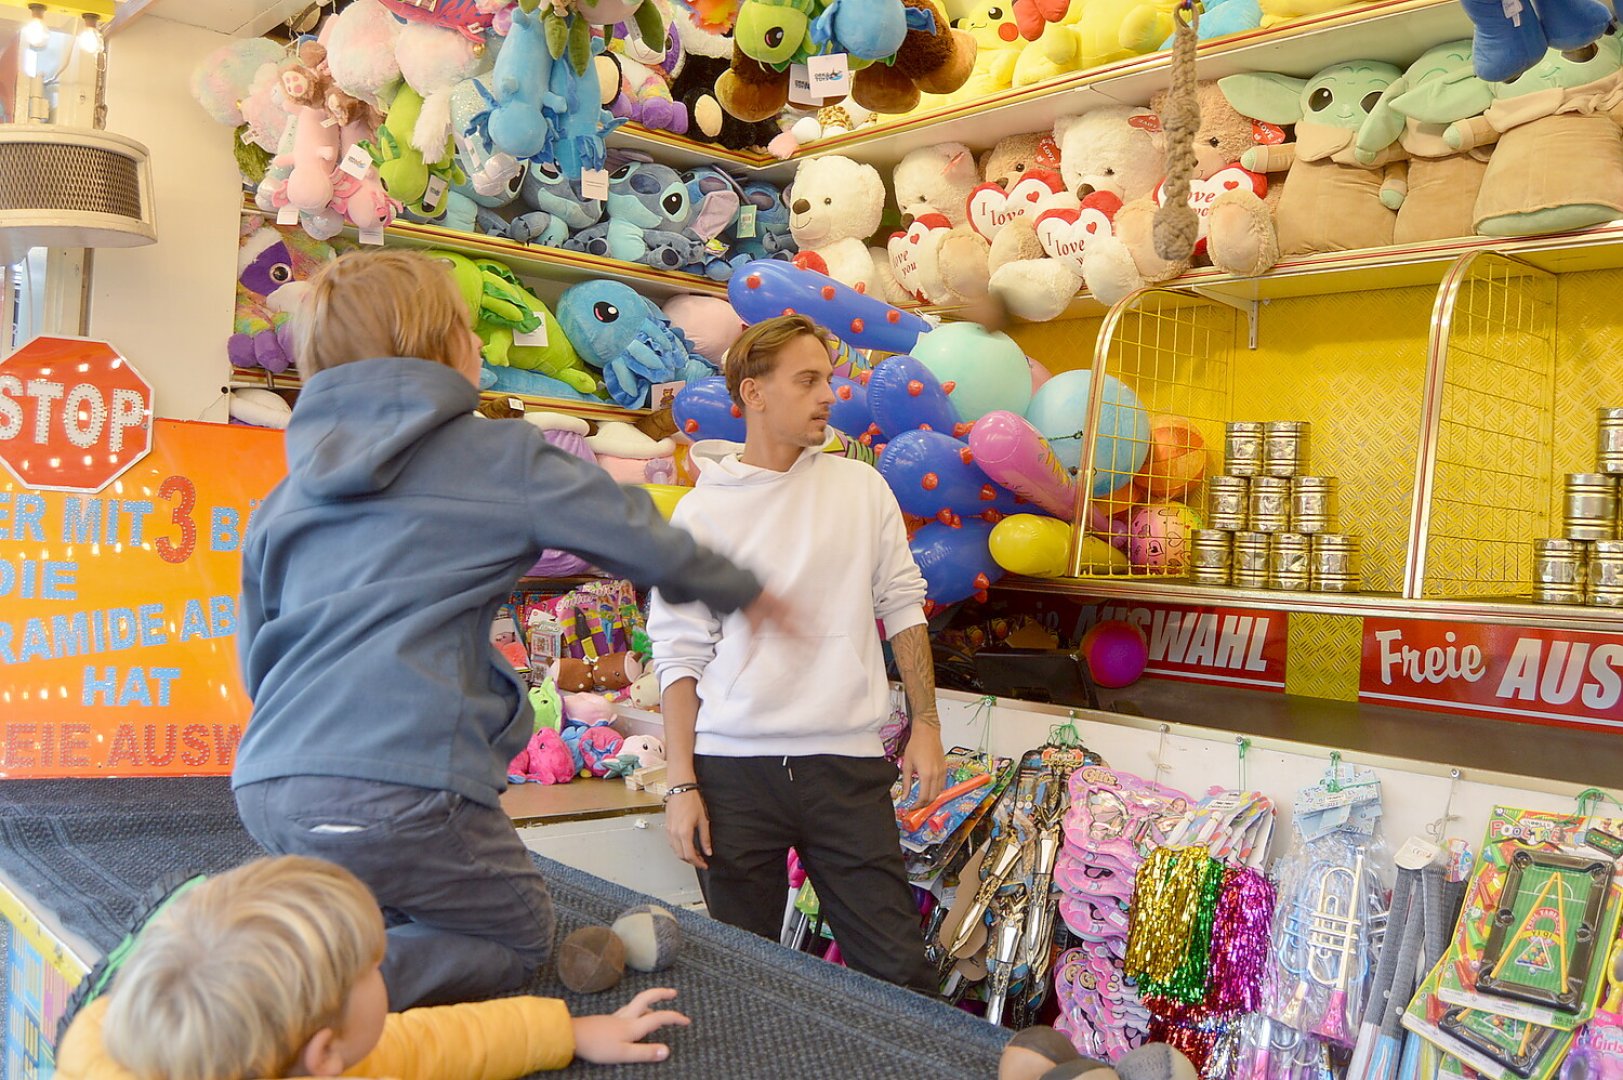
(1014, 454)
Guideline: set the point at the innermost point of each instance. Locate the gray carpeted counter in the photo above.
(89, 852)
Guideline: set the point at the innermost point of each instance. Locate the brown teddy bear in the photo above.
(1235, 206)
(1014, 159)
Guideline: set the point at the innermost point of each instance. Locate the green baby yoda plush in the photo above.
(1558, 163)
(1443, 180)
(1333, 201)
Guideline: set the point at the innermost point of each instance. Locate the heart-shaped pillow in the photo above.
(913, 253)
(1064, 233)
(990, 208)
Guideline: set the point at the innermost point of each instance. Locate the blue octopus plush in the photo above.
(624, 335)
(557, 210)
(649, 211)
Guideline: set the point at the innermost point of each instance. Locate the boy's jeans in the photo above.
(480, 919)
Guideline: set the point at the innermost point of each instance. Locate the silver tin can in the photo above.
(1287, 561)
(1560, 568)
(1270, 504)
(1242, 448)
(1610, 458)
(1590, 507)
(1606, 573)
(1285, 447)
(1209, 557)
(1226, 502)
(1336, 563)
(1313, 504)
(1250, 561)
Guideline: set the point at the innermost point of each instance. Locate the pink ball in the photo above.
(1116, 653)
(1158, 536)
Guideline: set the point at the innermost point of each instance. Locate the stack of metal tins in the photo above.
(1269, 526)
(1585, 564)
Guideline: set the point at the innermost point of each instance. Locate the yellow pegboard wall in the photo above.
(1490, 494)
(1325, 651)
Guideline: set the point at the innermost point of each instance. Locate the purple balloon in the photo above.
(704, 410)
(905, 396)
(956, 563)
(767, 288)
(932, 473)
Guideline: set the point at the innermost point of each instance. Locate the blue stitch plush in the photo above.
(768, 234)
(524, 106)
(579, 120)
(715, 198)
(649, 210)
(556, 208)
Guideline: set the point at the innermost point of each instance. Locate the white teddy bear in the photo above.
(1108, 157)
(937, 257)
(834, 206)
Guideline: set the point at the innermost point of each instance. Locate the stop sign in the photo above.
(73, 414)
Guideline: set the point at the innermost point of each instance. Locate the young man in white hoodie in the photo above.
(772, 738)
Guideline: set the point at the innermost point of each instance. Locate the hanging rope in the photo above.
(1177, 226)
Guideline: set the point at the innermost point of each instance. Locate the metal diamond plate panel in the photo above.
(1324, 656)
(1589, 370)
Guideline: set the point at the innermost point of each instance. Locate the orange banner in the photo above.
(118, 611)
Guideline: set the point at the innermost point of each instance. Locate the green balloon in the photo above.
(989, 371)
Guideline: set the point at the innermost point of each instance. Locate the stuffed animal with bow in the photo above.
(1334, 200)
(1557, 134)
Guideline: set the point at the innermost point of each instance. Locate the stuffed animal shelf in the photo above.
(1334, 200)
(1558, 160)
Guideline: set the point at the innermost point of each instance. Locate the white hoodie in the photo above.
(827, 536)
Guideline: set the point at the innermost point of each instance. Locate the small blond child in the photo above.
(271, 970)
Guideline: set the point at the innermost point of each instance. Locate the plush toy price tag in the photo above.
(434, 195)
(830, 75)
(536, 337)
(372, 237)
(662, 394)
(594, 183)
(515, 404)
(357, 162)
(287, 215)
(472, 153)
(746, 222)
(801, 91)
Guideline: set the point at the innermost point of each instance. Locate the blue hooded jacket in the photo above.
(371, 575)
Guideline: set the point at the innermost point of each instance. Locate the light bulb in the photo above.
(35, 33)
(90, 36)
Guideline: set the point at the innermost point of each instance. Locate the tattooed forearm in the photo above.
(917, 667)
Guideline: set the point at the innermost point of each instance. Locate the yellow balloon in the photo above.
(1035, 546)
(665, 497)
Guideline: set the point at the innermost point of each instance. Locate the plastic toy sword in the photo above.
(1040, 921)
(1011, 920)
(994, 868)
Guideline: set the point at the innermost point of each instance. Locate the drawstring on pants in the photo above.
(786, 765)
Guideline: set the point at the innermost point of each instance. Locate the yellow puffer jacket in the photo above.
(487, 1040)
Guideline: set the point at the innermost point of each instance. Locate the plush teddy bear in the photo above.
(1235, 206)
(1443, 182)
(1108, 157)
(937, 257)
(1558, 162)
(1333, 202)
(1021, 179)
(834, 205)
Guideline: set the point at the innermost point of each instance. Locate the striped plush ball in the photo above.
(651, 935)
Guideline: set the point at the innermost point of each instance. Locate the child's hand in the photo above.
(613, 1040)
